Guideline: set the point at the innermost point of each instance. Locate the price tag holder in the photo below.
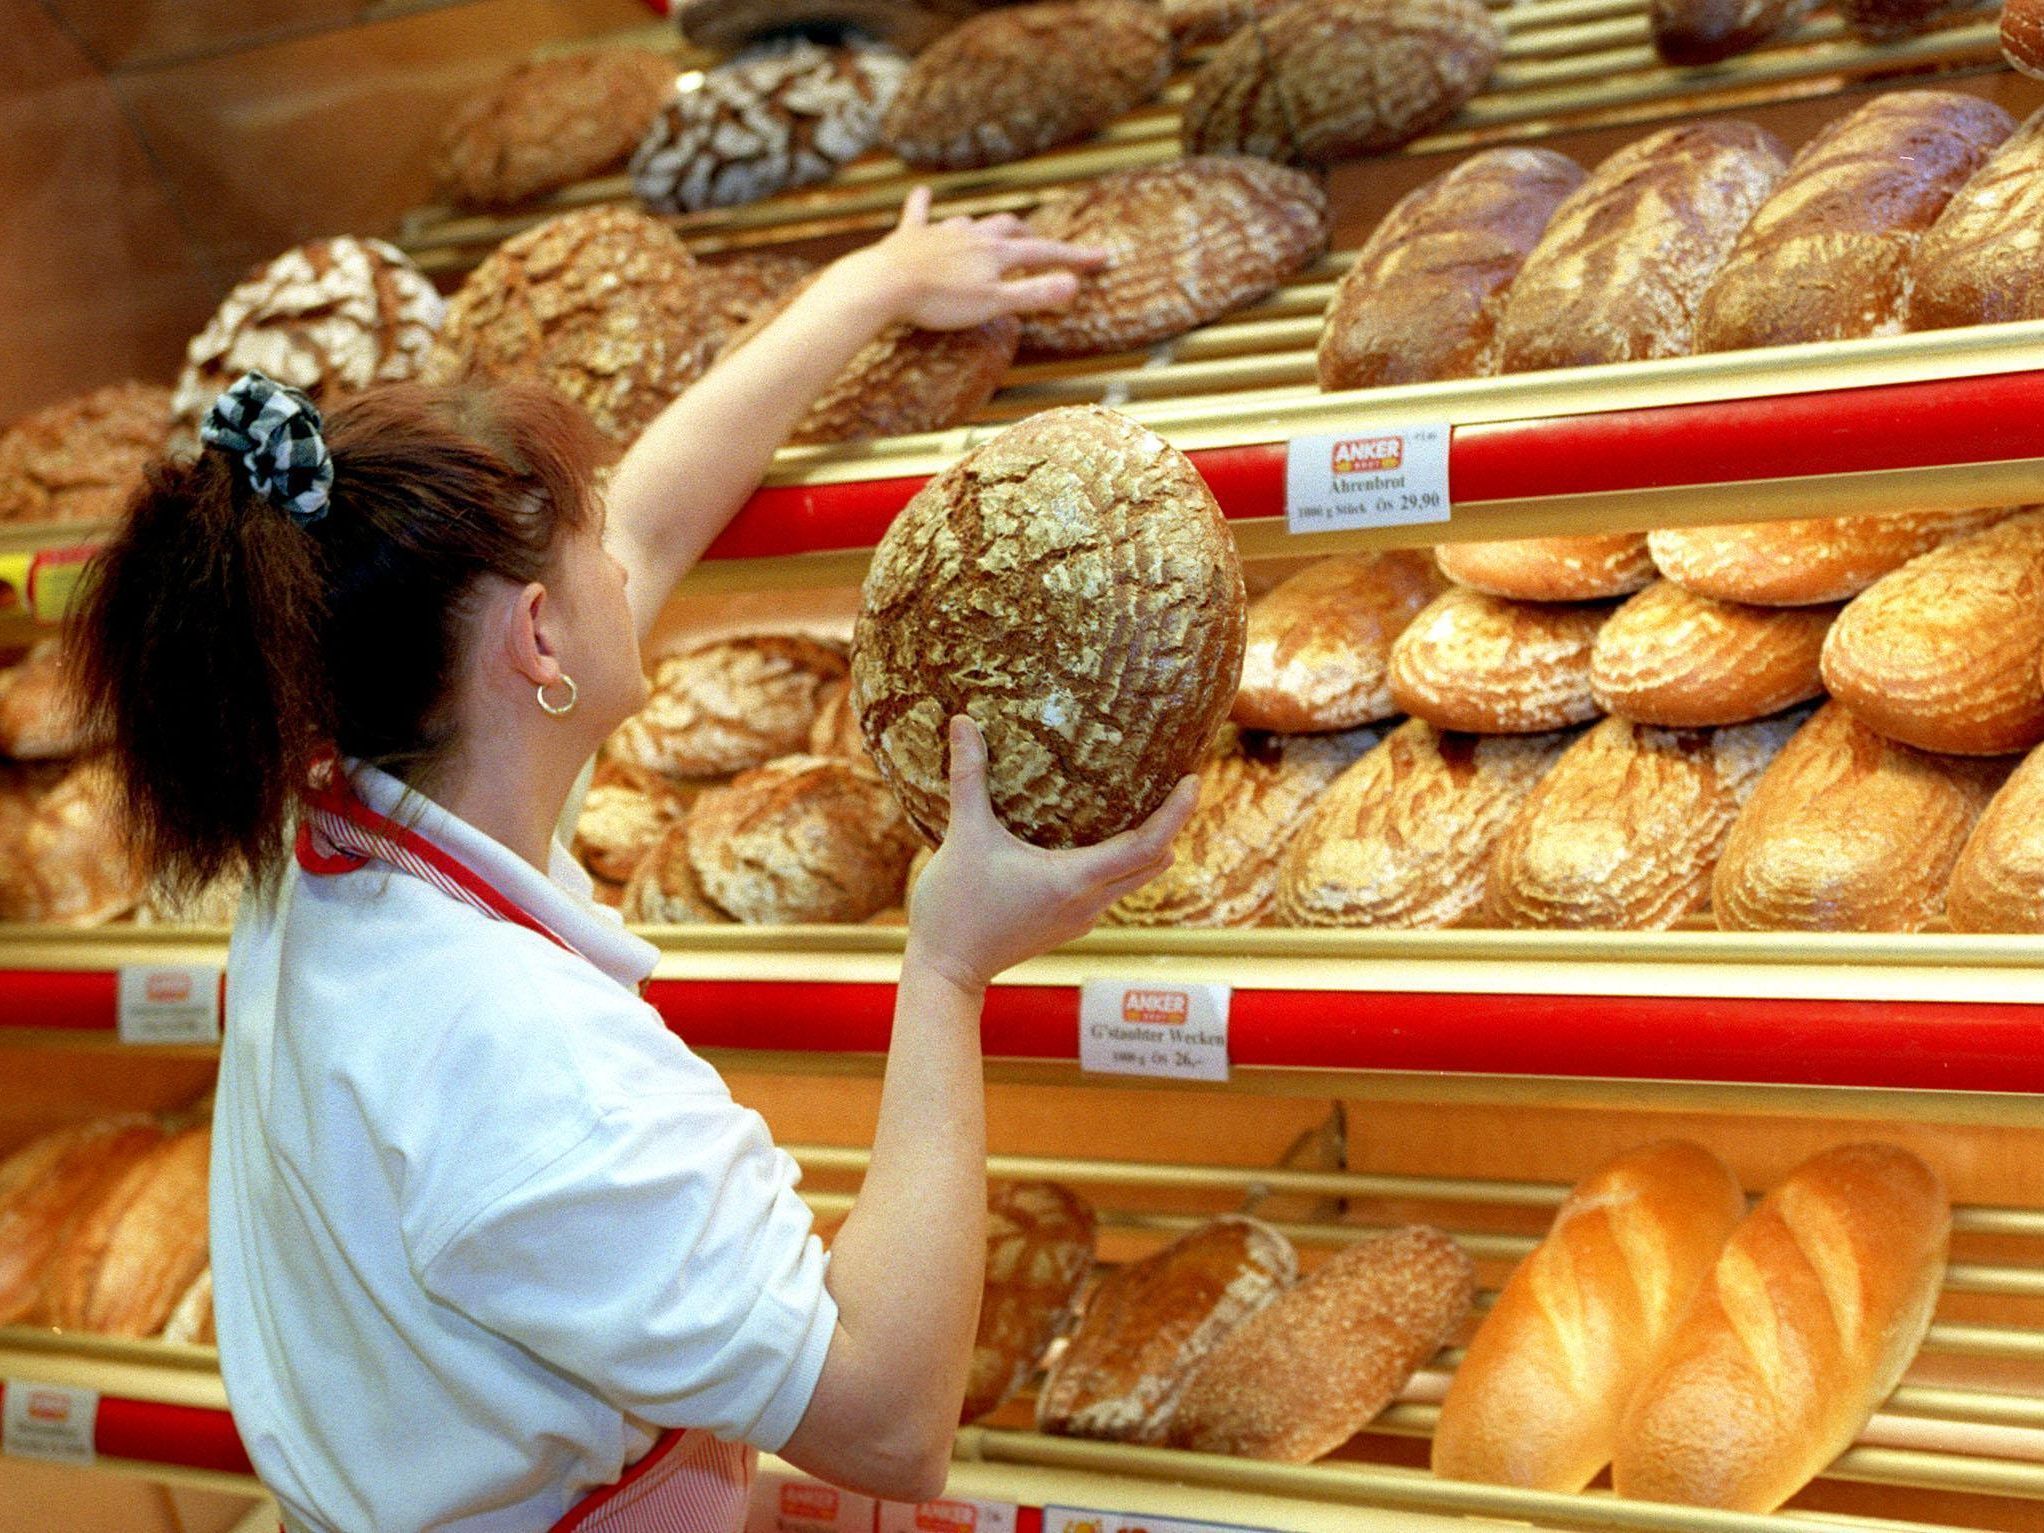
(949, 1514)
(1150, 1027)
(169, 1003)
(49, 1421)
(783, 1503)
(1343, 481)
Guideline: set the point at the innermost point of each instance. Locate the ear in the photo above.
(525, 623)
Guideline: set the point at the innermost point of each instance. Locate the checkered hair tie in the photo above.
(275, 432)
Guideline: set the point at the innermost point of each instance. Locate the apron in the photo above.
(688, 1481)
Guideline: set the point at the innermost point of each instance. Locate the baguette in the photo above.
(1496, 667)
(44, 1186)
(1671, 657)
(1807, 1322)
(1551, 569)
(1318, 653)
(133, 1251)
(1537, 1399)
(1804, 562)
(1998, 881)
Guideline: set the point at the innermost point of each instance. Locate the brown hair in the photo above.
(223, 648)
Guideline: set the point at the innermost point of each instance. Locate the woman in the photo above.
(491, 1249)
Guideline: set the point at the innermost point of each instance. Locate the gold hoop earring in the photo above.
(561, 709)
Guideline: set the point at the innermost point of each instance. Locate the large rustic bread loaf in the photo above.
(621, 820)
(1669, 656)
(1150, 1325)
(1815, 1308)
(1325, 80)
(1981, 263)
(40, 713)
(130, 1255)
(332, 317)
(1070, 585)
(1404, 837)
(1297, 1380)
(550, 122)
(1421, 300)
(1039, 1251)
(1705, 31)
(1624, 832)
(1254, 793)
(1551, 569)
(723, 705)
(2022, 36)
(1806, 561)
(836, 730)
(1827, 256)
(80, 460)
(71, 862)
(664, 888)
(1319, 650)
(1495, 667)
(1847, 831)
(1186, 243)
(1997, 883)
(736, 289)
(1021, 79)
(1537, 1398)
(1195, 23)
(46, 1184)
(1943, 654)
(1626, 258)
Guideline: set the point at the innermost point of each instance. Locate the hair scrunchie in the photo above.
(274, 432)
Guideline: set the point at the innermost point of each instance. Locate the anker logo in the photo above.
(1368, 455)
(45, 1406)
(1155, 1008)
(168, 988)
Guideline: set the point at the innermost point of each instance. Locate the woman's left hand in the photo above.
(961, 272)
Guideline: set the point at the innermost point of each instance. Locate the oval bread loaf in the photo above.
(1997, 883)
(1705, 31)
(1669, 656)
(1943, 654)
(1806, 561)
(133, 1251)
(41, 717)
(2022, 36)
(665, 890)
(1537, 1399)
(1551, 569)
(1847, 831)
(1319, 644)
(46, 1184)
(1982, 263)
(80, 459)
(1039, 1250)
(1071, 585)
(1495, 667)
(724, 705)
(72, 862)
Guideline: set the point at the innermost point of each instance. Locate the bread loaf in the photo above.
(736, 289)
(836, 730)
(1827, 256)
(43, 1187)
(1671, 657)
(1981, 263)
(1187, 242)
(664, 888)
(132, 1252)
(1319, 647)
(1807, 561)
(620, 821)
(1151, 1324)
(72, 862)
(80, 460)
(1624, 832)
(1013, 82)
(1705, 31)
(40, 716)
(1255, 791)
(1997, 884)
(1538, 1396)
(1195, 23)
(1551, 569)
(1421, 300)
(1847, 831)
(191, 1318)
(1300, 1378)
(1039, 1250)
(1326, 80)
(1880, 21)
(1623, 263)
(1071, 585)
(1403, 838)
(1943, 654)
(1807, 1322)
(1496, 667)
(2022, 36)
(723, 705)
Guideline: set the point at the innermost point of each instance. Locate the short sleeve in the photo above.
(665, 1262)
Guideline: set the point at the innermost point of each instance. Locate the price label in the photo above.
(169, 1003)
(1147, 1027)
(1341, 481)
(949, 1514)
(1073, 1519)
(784, 1503)
(49, 1421)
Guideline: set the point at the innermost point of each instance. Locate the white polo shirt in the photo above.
(481, 1225)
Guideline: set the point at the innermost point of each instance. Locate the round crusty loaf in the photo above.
(1623, 833)
(1039, 1251)
(1997, 884)
(132, 1252)
(1551, 569)
(550, 122)
(71, 861)
(1072, 586)
(1187, 242)
(1297, 1380)
(46, 1184)
(1403, 838)
(80, 460)
(1326, 80)
(1804, 562)
(1495, 667)
(621, 820)
(1016, 81)
(1254, 793)
(40, 716)
(736, 289)
(802, 839)
(1847, 831)
(664, 889)
(1943, 654)
(2022, 36)
(785, 117)
(332, 317)
(1981, 263)
(601, 303)
(1705, 31)
(724, 705)
(1319, 650)
(836, 730)
(1669, 656)
(1420, 302)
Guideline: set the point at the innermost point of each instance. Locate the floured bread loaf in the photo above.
(1072, 587)
(39, 715)
(1997, 884)
(1551, 569)
(46, 1184)
(621, 820)
(665, 890)
(1669, 656)
(1495, 667)
(130, 1256)
(1807, 561)
(723, 705)
(1039, 1250)
(80, 460)
(1981, 263)
(1319, 645)
(71, 861)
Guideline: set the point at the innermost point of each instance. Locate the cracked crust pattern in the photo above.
(80, 460)
(1496, 667)
(1039, 1251)
(1669, 656)
(1807, 561)
(1983, 261)
(1551, 569)
(726, 705)
(621, 820)
(1998, 883)
(68, 858)
(663, 889)
(1072, 586)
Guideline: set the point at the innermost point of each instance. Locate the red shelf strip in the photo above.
(150, 1432)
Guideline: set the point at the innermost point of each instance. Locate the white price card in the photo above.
(1339, 481)
(787, 1503)
(169, 1003)
(948, 1514)
(1152, 1027)
(1073, 1519)
(49, 1421)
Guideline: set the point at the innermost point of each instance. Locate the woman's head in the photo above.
(225, 645)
